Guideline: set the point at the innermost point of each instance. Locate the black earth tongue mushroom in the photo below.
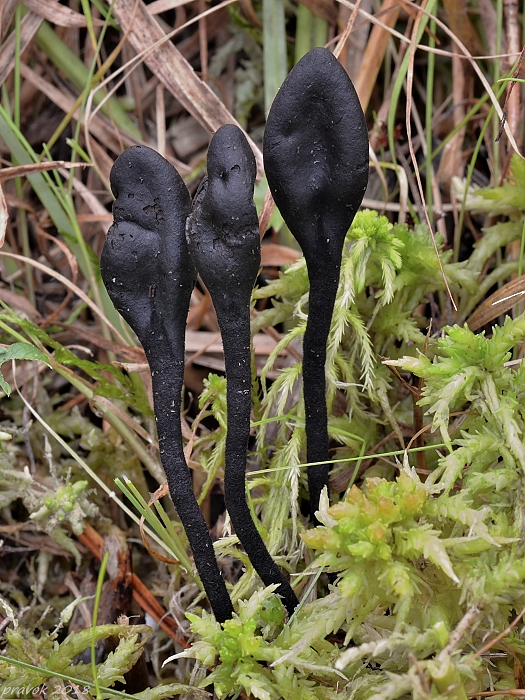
(149, 275)
(223, 235)
(316, 162)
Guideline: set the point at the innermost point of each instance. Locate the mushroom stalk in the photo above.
(235, 331)
(316, 161)
(167, 381)
(149, 275)
(223, 235)
(323, 289)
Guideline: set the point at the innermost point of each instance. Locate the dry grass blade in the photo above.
(498, 303)
(452, 159)
(375, 162)
(459, 22)
(196, 340)
(349, 26)
(512, 25)
(99, 126)
(375, 52)
(508, 104)
(500, 636)
(392, 206)
(170, 66)
(204, 347)
(21, 170)
(73, 265)
(59, 14)
(125, 418)
(131, 353)
(69, 285)
(158, 6)
(92, 202)
(374, 19)
(132, 366)
(266, 212)
(476, 68)
(7, 12)
(247, 8)
(273, 255)
(19, 304)
(161, 120)
(410, 78)
(29, 26)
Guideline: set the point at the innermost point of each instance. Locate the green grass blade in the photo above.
(398, 85)
(311, 31)
(303, 33)
(96, 606)
(274, 49)
(172, 542)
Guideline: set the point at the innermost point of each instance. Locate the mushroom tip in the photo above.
(145, 185)
(230, 151)
(138, 165)
(318, 55)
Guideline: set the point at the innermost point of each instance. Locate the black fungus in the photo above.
(149, 275)
(223, 236)
(316, 161)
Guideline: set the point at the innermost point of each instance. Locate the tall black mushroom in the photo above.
(149, 275)
(223, 236)
(316, 161)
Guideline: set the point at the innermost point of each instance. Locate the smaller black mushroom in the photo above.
(316, 161)
(149, 275)
(223, 235)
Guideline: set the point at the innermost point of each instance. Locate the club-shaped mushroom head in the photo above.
(145, 263)
(223, 230)
(316, 154)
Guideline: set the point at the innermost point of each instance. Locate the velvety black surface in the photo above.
(149, 275)
(316, 161)
(223, 235)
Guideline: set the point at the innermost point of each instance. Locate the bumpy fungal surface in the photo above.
(223, 235)
(149, 275)
(316, 161)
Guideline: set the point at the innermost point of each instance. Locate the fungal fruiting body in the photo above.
(316, 162)
(223, 236)
(149, 275)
